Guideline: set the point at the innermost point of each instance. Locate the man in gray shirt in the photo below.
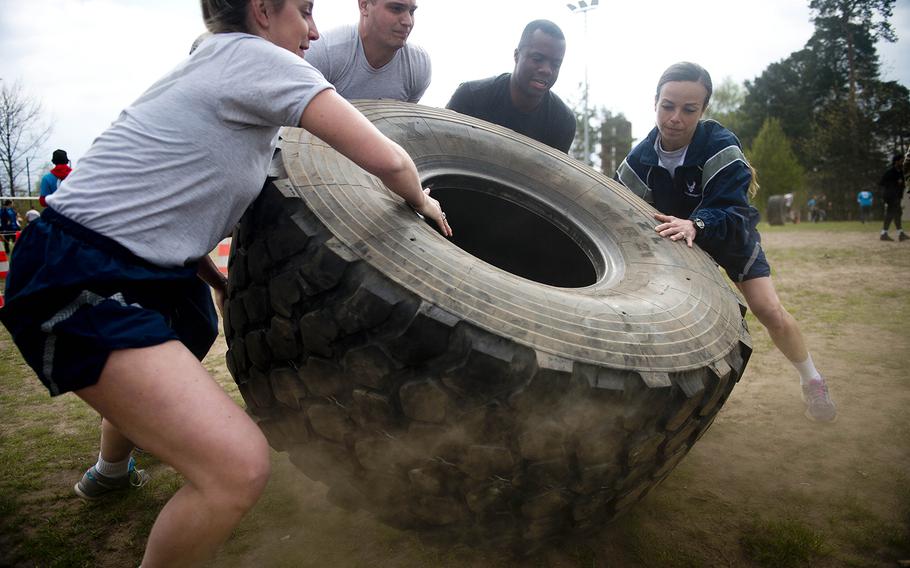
(373, 60)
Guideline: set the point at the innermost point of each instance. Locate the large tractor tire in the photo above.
(537, 374)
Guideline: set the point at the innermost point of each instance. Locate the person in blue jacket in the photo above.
(865, 199)
(695, 173)
(9, 224)
(51, 180)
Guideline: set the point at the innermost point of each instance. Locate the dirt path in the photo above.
(763, 487)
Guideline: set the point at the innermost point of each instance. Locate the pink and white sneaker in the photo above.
(819, 406)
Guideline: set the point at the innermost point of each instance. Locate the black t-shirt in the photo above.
(893, 184)
(552, 122)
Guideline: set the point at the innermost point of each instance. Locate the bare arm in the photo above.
(335, 121)
(210, 274)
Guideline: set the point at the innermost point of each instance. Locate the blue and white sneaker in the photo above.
(93, 485)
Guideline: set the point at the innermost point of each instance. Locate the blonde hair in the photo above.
(753, 183)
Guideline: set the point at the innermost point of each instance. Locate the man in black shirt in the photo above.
(892, 184)
(522, 100)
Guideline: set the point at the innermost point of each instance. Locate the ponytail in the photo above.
(753, 183)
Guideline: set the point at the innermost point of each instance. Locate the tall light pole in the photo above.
(584, 7)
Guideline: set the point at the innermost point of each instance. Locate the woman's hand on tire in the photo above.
(675, 228)
(431, 209)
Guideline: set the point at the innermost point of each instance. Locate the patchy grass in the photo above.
(783, 543)
(868, 533)
(46, 444)
(762, 488)
(648, 546)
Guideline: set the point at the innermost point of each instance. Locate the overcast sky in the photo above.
(88, 59)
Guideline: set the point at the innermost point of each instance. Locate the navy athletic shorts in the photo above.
(73, 296)
(745, 263)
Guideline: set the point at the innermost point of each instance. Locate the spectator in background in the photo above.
(31, 215)
(51, 180)
(864, 198)
(9, 224)
(792, 212)
(373, 60)
(817, 206)
(522, 100)
(892, 184)
(821, 208)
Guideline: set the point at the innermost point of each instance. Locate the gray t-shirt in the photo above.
(672, 159)
(339, 55)
(176, 170)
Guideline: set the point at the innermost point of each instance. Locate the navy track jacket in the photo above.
(712, 184)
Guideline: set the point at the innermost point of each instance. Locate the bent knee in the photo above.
(773, 316)
(244, 473)
(253, 481)
(254, 466)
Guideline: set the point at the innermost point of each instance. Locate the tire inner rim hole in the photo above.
(511, 236)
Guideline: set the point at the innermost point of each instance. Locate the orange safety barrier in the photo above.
(4, 263)
(222, 252)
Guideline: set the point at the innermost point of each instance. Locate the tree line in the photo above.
(821, 122)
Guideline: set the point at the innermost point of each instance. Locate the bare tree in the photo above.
(22, 133)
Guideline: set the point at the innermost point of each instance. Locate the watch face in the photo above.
(699, 224)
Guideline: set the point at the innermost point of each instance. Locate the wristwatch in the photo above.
(699, 225)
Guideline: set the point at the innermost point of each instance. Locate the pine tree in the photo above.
(779, 172)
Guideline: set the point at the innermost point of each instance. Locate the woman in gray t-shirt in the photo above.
(106, 296)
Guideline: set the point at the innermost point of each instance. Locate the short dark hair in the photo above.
(546, 26)
(222, 16)
(686, 71)
(59, 157)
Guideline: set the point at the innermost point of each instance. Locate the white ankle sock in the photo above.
(112, 469)
(807, 371)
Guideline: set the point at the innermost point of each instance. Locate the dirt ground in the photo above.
(763, 487)
(763, 475)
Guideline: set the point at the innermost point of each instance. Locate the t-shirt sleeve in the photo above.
(462, 100)
(564, 128)
(423, 73)
(318, 56)
(566, 134)
(265, 85)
